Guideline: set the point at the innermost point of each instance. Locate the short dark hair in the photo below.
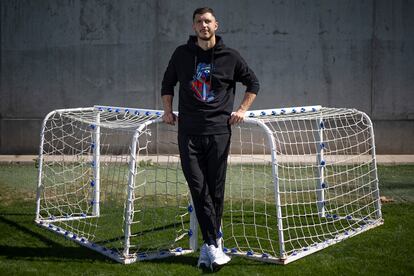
(203, 11)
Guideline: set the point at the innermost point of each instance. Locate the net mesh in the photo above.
(295, 182)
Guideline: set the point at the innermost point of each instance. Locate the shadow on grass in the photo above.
(141, 233)
(51, 254)
(183, 260)
(53, 251)
(17, 214)
(28, 231)
(191, 261)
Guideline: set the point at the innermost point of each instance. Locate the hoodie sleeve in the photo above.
(246, 76)
(170, 77)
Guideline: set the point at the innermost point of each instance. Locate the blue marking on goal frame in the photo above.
(251, 113)
(322, 125)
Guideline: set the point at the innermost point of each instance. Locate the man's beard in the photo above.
(205, 38)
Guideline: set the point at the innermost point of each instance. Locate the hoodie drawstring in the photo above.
(211, 69)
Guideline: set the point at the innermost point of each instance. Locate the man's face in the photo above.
(205, 26)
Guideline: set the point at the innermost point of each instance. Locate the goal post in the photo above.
(299, 179)
(321, 169)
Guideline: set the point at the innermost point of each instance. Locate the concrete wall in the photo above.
(73, 53)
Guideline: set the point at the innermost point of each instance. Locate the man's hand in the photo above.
(169, 118)
(237, 117)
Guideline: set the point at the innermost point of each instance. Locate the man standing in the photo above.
(207, 71)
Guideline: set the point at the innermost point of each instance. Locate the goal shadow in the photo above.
(53, 250)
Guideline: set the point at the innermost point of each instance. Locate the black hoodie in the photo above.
(206, 100)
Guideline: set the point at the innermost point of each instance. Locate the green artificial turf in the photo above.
(27, 249)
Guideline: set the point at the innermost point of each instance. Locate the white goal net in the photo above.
(298, 180)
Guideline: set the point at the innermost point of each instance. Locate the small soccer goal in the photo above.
(298, 180)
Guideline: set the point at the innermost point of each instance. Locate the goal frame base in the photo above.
(306, 251)
(129, 259)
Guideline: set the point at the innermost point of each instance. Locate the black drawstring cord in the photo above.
(211, 69)
(195, 61)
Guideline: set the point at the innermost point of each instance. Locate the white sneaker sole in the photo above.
(216, 266)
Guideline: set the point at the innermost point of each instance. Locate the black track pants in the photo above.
(204, 163)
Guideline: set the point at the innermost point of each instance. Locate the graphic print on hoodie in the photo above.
(201, 84)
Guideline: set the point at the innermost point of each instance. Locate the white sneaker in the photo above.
(219, 242)
(217, 258)
(203, 260)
